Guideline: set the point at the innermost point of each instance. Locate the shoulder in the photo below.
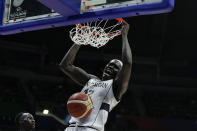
(94, 77)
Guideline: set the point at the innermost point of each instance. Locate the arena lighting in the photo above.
(45, 111)
(39, 113)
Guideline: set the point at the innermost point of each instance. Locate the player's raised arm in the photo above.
(123, 78)
(75, 73)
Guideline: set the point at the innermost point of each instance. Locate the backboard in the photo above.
(26, 15)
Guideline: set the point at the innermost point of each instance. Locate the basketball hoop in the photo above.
(96, 34)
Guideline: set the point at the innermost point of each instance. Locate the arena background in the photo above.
(162, 93)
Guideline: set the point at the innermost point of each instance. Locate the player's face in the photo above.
(112, 69)
(28, 121)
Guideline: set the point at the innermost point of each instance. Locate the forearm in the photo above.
(126, 50)
(70, 56)
(75, 73)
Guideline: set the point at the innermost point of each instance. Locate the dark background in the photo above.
(162, 91)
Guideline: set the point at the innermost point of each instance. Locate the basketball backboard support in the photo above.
(18, 16)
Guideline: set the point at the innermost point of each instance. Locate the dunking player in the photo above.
(25, 121)
(105, 92)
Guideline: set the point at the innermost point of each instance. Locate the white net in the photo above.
(95, 34)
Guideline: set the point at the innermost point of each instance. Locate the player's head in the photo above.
(112, 69)
(25, 121)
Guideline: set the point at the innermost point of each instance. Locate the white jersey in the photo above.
(103, 99)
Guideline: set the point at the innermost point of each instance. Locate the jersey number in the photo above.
(89, 92)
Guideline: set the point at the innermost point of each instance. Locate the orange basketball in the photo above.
(79, 105)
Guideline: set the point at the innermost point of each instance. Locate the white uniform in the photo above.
(103, 99)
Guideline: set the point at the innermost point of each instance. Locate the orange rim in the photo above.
(120, 20)
(110, 35)
(80, 25)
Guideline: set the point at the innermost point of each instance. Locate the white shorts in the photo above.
(80, 129)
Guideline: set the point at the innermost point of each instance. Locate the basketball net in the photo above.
(96, 34)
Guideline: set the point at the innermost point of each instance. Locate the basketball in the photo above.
(79, 105)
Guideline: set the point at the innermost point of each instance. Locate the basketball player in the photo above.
(106, 92)
(25, 121)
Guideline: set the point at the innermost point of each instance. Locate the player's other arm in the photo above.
(75, 73)
(122, 80)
